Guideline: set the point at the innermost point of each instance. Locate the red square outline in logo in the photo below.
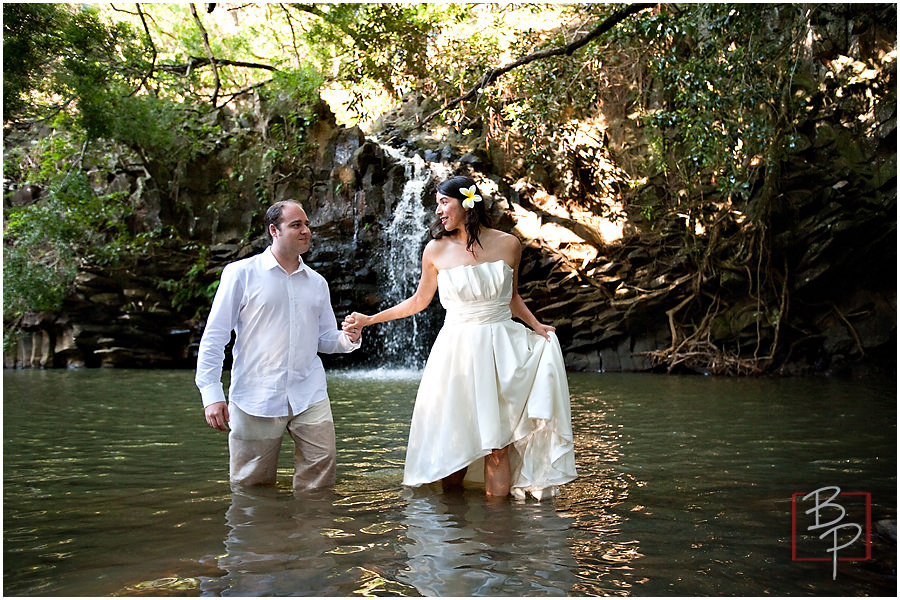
(868, 555)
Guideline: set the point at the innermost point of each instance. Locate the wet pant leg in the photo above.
(253, 446)
(315, 464)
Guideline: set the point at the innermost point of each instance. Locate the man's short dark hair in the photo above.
(273, 214)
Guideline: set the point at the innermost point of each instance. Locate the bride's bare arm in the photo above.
(517, 304)
(520, 311)
(416, 303)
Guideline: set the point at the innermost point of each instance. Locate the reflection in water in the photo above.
(605, 554)
(684, 490)
(466, 545)
(275, 545)
(686, 482)
(423, 543)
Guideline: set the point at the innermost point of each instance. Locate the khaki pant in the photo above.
(254, 444)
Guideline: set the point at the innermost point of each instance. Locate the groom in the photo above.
(280, 311)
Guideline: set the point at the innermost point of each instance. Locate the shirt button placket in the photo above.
(292, 345)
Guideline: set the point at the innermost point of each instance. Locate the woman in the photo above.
(492, 391)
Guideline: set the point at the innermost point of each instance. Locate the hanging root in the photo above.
(697, 352)
(703, 356)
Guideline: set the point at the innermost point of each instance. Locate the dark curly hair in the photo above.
(476, 217)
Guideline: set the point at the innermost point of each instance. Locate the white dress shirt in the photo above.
(282, 320)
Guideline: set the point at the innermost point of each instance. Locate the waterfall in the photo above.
(402, 340)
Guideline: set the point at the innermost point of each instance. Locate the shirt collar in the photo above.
(270, 262)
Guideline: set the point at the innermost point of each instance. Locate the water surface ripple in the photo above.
(114, 485)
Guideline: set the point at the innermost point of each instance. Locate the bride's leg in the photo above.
(497, 476)
(454, 481)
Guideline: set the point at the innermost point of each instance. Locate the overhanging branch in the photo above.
(569, 49)
(199, 61)
(152, 48)
(209, 53)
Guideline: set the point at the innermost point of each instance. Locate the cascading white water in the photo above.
(406, 237)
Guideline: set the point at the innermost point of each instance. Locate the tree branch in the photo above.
(152, 47)
(290, 21)
(314, 10)
(246, 90)
(209, 53)
(199, 61)
(569, 49)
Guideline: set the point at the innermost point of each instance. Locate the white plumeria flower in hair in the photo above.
(471, 196)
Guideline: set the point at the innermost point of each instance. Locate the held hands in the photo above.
(353, 325)
(353, 332)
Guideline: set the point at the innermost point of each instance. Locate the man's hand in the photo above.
(217, 415)
(352, 327)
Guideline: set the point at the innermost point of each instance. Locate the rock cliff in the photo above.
(613, 297)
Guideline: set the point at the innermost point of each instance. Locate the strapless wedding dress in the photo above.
(490, 382)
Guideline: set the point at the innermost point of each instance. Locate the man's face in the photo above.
(292, 234)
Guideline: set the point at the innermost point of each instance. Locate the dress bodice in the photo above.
(476, 293)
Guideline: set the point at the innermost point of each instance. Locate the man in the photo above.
(280, 311)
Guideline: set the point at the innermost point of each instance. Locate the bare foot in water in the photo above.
(452, 483)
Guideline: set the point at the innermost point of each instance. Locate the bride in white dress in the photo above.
(493, 392)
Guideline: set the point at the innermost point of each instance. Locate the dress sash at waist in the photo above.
(486, 312)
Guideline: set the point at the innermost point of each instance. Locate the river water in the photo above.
(114, 485)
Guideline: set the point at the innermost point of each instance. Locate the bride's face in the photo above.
(450, 212)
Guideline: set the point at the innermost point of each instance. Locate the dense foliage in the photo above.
(683, 112)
